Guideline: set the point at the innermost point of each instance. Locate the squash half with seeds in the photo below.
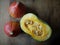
(35, 27)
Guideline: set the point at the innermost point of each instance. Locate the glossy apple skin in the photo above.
(17, 9)
(12, 29)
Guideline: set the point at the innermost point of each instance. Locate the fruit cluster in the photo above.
(16, 10)
(29, 23)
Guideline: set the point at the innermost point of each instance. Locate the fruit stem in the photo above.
(11, 33)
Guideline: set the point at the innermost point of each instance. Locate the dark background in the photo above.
(47, 10)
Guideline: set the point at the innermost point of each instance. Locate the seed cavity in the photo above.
(37, 32)
(39, 27)
(29, 22)
(36, 24)
(34, 27)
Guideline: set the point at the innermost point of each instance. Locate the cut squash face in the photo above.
(35, 27)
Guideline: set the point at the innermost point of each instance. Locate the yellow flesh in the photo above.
(29, 29)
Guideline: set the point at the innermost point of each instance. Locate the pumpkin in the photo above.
(35, 27)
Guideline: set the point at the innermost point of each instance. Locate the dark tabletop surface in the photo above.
(47, 10)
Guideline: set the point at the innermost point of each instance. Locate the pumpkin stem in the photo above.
(11, 33)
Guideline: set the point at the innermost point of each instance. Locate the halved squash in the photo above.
(35, 27)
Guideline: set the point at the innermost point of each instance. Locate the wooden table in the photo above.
(47, 10)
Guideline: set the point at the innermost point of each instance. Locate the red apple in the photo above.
(17, 9)
(12, 28)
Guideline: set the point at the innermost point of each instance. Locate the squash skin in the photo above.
(33, 17)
